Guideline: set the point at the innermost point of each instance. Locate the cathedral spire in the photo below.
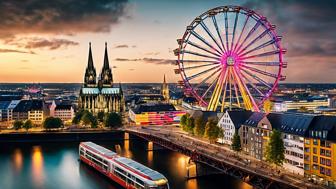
(90, 72)
(90, 59)
(106, 73)
(164, 78)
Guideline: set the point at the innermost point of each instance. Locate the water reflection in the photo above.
(127, 151)
(17, 160)
(37, 166)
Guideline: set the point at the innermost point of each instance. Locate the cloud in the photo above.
(308, 29)
(52, 44)
(152, 53)
(131, 69)
(159, 61)
(124, 46)
(114, 67)
(16, 51)
(120, 46)
(59, 16)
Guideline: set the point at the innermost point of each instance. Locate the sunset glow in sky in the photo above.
(47, 41)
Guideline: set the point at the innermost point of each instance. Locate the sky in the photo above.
(47, 41)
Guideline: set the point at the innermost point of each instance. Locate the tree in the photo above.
(236, 145)
(86, 118)
(113, 120)
(183, 120)
(78, 117)
(17, 124)
(52, 123)
(199, 128)
(27, 124)
(190, 124)
(94, 122)
(212, 131)
(101, 116)
(275, 149)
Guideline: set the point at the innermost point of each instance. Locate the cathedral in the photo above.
(165, 89)
(99, 94)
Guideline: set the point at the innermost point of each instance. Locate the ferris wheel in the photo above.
(230, 57)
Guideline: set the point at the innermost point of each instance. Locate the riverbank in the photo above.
(63, 136)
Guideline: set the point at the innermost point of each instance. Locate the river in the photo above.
(56, 165)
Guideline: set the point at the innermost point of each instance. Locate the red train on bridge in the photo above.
(126, 172)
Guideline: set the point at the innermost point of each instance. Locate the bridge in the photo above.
(254, 172)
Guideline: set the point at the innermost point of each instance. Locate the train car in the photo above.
(126, 172)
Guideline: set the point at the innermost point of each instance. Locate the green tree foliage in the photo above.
(190, 124)
(78, 117)
(275, 149)
(27, 124)
(101, 116)
(199, 128)
(113, 120)
(52, 123)
(17, 125)
(89, 119)
(183, 120)
(236, 145)
(212, 131)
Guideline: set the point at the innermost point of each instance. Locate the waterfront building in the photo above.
(100, 95)
(320, 151)
(33, 110)
(230, 122)
(254, 135)
(165, 89)
(155, 114)
(65, 112)
(309, 103)
(294, 127)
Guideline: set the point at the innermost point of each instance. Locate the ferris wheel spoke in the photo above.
(270, 42)
(218, 33)
(211, 35)
(204, 41)
(241, 33)
(248, 99)
(224, 96)
(234, 30)
(208, 77)
(252, 84)
(212, 61)
(199, 54)
(202, 48)
(211, 85)
(255, 27)
(257, 78)
(199, 66)
(226, 31)
(201, 73)
(269, 53)
(236, 90)
(262, 63)
(260, 71)
(254, 41)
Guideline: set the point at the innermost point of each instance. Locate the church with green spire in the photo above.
(100, 94)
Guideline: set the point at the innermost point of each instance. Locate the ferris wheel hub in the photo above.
(230, 61)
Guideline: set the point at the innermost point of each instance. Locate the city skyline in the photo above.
(49, 42)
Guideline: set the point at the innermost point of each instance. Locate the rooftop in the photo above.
(153, 175)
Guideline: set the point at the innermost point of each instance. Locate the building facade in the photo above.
(65, 112)
(320, 151)
(230, 122)
(254, 135)
(100, 95)
(155, 114)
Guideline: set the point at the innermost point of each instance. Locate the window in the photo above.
(322, 161)
(322, 170)
(315, 142)
(315, 159)
(327, 172)
(307, 141)
(306, 167)
(328, 162)
(314, 151)
(328, 153)
(322, 152)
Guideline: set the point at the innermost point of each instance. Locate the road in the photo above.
(222, 152)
